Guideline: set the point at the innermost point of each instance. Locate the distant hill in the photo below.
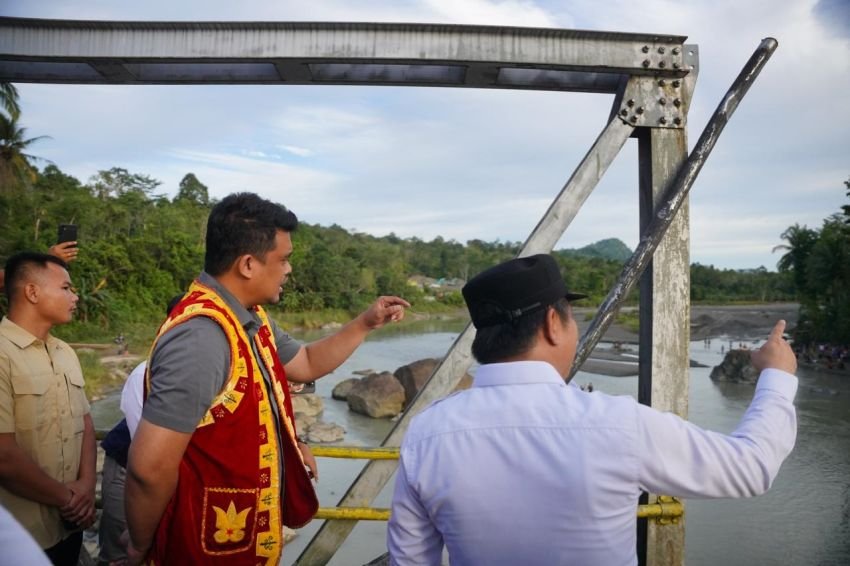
(611, 248)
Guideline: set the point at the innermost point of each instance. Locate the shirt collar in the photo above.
(247, 318)
(20, 337)
(516, 373)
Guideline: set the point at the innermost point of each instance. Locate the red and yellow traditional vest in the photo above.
(229, 506)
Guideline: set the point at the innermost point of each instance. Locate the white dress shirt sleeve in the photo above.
(681, 459)
(132, 397)
(412, 539)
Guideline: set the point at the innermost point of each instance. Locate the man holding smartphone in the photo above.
(66, 244)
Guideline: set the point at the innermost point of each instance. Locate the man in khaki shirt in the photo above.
(47, 444)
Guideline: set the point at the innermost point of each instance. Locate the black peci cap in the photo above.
(509, 290)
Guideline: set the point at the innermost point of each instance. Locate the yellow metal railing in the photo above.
(664, 510)
(667, 509)
(356, 452)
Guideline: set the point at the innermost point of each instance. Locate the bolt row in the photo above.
(661, 50)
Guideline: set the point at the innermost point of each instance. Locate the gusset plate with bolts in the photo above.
(665, 57)
(660, 101)
(654, 103)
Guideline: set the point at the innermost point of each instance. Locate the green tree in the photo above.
(15, 166)
(193, 191)
(801, 240)
(828, 281)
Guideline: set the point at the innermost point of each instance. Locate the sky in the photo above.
(474, 163)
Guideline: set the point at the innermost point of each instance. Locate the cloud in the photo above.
(295, 150)
(297, 187)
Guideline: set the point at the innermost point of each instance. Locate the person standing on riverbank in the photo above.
(215, 467)
(47, 444)
(561, 470)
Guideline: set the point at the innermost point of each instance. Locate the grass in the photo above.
(98, 377)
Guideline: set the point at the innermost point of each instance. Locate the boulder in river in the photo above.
(307, 404)
(324, 432)
(736, 368)
(377, 395)
(413, 376)
(342, 388)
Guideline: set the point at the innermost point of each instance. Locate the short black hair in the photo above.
(20, 266)
(243, 223)
(493, 344)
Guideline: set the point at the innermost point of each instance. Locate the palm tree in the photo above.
(801, 240)
(9, 100)
(15, 167)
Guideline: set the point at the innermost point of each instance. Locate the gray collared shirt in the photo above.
(191, 364)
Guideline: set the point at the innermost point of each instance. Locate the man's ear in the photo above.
(32, 292)
(244, 266)
(553, 327)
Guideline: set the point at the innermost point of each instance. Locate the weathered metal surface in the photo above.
(664, 315)
(676, 196)
(659, 102)
(69, 51)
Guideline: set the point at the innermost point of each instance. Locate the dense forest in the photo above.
(138, 247)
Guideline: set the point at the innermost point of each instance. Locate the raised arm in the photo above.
(66, 251)
(321, 357)
(680, 458)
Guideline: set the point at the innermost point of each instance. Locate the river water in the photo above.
(803, 520)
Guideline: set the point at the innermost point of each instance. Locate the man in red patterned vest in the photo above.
(215, 468)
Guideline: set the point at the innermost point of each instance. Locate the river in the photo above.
(803, 520)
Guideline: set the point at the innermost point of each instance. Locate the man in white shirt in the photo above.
(525, 469)
(133, 396)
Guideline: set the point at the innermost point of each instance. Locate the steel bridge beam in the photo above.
(102, 52)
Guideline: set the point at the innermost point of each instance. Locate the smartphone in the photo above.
(67, 233)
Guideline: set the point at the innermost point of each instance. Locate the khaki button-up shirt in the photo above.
(43, 403)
